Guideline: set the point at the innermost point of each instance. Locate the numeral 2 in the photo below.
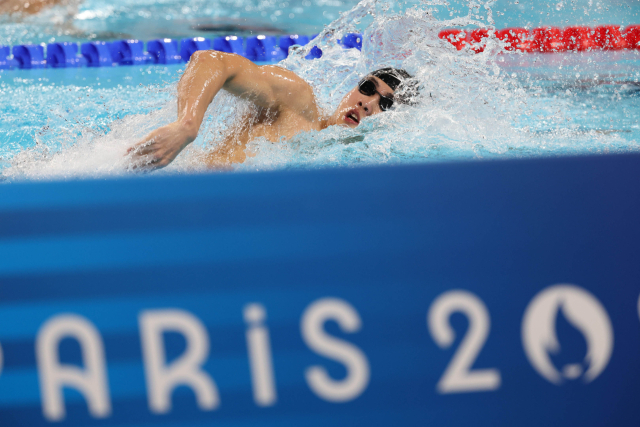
(458, 377)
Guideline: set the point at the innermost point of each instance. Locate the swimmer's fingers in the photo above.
(144, 147)
(143, 155)
(144, 164)
(148, 159)
(158, 148)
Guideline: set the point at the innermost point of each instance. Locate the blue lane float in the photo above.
(314, 53)
(229, 44)
(164, 51)
(7, 63)
(29, 56)
(264, 48)
(286, 42)
(130, 52)
(98, 54)
(259, 48)
(189, 46)
(352, 41)
(63, 55)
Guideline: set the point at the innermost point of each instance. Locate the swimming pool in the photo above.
(148, 19)
(78, 122)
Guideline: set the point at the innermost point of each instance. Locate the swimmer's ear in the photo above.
(408, 92)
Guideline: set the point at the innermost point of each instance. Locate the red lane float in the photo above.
(609, 37)
(632, 37)
(515, 39)
(476, 39)
(456, 37)
(578, 39)
(548, 39)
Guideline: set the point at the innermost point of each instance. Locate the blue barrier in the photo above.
(229, 44)
(314, 53)
(164, 51)
(61, 55)
(29, 56)
(485, 294)
(263, 48)
(351, 41)
(130, 52)
(7, 63)
(286, 42)
(98, 54)
(189, 46)
(160, 51)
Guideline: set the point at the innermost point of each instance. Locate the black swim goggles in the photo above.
(367, 87)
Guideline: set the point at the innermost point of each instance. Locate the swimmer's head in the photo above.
(377, 92)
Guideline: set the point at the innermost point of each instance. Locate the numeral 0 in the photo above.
(458, 377)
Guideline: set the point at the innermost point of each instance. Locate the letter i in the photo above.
(260, 361)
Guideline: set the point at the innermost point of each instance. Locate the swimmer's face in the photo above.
(355, 106)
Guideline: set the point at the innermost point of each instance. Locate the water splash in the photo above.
(468, 109)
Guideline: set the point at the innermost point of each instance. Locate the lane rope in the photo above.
(263, 48)
(549, 39)
(159, 51)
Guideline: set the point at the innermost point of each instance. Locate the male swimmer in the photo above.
(285, 106)
(28, 7)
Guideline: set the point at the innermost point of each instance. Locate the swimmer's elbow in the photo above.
(207, 58)
(211, 57)
(189, 128)
(228, 64)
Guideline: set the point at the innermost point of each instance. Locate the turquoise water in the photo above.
(147, 19)
(59, 123)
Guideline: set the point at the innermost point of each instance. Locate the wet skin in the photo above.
(285, 106)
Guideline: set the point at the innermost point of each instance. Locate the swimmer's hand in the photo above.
(160, 147)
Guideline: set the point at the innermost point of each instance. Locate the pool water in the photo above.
(147, 19)
(66, 123)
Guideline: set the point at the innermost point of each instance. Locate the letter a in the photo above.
(162, 379)
(91, 380)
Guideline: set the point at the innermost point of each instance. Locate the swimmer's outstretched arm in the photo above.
(209, 71)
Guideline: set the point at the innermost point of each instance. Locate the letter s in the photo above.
(349, 355)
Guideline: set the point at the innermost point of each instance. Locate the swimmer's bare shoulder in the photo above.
(267, 86)
(281, 88)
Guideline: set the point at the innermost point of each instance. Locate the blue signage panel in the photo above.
(485, 294)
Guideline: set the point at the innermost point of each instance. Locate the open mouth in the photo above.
(352, 117)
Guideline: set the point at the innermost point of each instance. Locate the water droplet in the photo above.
(559, 6)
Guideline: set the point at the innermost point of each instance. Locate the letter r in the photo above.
(161, 378)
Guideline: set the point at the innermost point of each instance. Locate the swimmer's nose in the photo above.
(366, 109)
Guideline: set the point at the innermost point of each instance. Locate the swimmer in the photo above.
(285, 106)
(28, 7)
